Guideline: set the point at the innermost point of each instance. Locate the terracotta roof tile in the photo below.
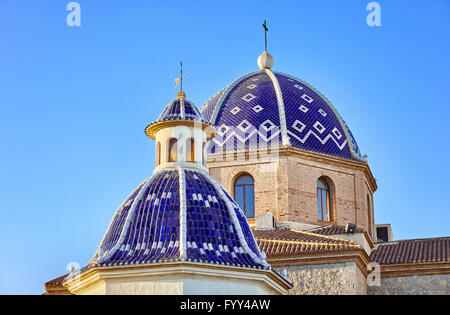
(56, 282)
(332, 230)
(292, 242)
(55, 286)
(413, 251)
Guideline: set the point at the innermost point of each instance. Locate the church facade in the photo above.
(308, 182)
(277, 169)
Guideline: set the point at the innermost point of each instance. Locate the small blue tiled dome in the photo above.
(179, 215)
(177, 111)
(272, 109)
(180, 109)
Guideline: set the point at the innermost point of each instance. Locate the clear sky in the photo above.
(74, 102)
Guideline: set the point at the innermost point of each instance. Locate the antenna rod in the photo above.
(181, 70)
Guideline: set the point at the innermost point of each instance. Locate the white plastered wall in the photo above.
(182, 134)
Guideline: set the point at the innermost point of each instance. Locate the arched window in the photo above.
(324, 205)
(173, 150)
(158, 153)
(244, 194)
(190, 150)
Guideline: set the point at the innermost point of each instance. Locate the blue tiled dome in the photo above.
(271, 109)
(180, 109)
(179, 215)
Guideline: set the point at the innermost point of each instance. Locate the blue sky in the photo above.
(74, 103)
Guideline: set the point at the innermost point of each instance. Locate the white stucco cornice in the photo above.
(276, 85)
(182, 109)
(183, 214)
(95, 281)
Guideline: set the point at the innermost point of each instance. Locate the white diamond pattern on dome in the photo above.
(336, 132)
(318, 126)
(299, 126)
(248, 97)
(235, 110)
(307, 98)
(322, 112)
(257, 108)
(252, 86)
(303, 108)
(244, 125)
(268, 125)
(222, 129)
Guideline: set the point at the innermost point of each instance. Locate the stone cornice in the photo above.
(358, 256)
(415, 269)
(190, 269)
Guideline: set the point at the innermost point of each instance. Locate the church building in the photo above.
(263, 190)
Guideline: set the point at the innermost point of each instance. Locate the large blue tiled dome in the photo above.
(273, 109)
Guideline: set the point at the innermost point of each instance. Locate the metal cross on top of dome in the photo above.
(265, 34)
(265, 61)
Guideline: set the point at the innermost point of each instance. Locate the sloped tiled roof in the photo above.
(56, 282)
(332, 230)
(55, 286)
(293, 242)
(413, 251)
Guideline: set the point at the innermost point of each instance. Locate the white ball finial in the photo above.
(265, 61)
